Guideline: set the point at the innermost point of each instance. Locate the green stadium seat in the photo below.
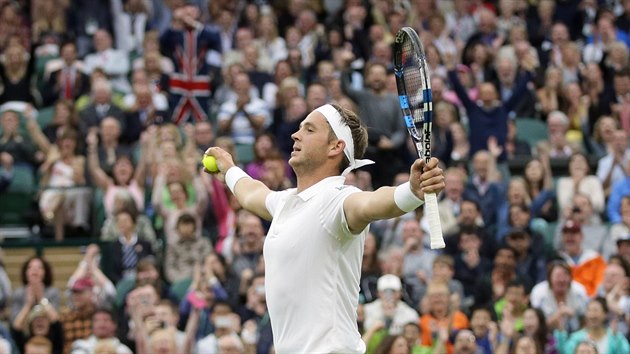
(531, 130)
(45, 116)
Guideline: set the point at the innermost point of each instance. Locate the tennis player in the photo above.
(314, 246)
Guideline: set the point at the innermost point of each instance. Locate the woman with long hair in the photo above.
(539, 187)
(535, 326)
(595, 329)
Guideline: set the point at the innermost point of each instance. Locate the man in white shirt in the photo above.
(388, 308)
(114, 62)
(314, 248)
(103, 330)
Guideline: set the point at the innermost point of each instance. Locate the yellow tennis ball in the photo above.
(210, 163)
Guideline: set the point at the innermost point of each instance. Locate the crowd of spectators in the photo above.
(109, 105)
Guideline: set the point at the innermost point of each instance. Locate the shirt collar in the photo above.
(311, 191)
(131, 242)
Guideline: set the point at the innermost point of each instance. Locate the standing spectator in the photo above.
(68, 82)
(386, 131)
(191, 46)
(114, 62)
(37, 279)
(130, 20)
(507, 75)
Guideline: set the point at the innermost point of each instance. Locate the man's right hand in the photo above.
(224, 161)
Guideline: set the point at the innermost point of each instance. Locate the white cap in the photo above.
(389, 282)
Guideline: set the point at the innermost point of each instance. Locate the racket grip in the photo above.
(433, 217)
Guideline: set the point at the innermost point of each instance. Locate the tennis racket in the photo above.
(414, 92)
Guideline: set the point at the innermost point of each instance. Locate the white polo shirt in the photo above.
(313, 267)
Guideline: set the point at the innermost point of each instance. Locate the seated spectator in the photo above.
(516, 195)
(440, 313)
(587, 265)
(64, 118)
(561, 299)
(16, 70)
(620, 191)
(461, 145)
(580, 181)
(77, 317)
(557, 146)
(42, 320)
(99, 107)
(484, 186)
(623, 247)
(483, 327)
(164, 317)
(615, 289)
(114, 62)
(123, 200)
(108, 144)
(89, 269)
(470, 263)
(64, 200)
(129, 248)
(37, 280)
(513, 304)
(103, 329)
(549, 94)
(492, 287)
(611, 168)
(450, 207)
(38, 345)
(245, 115)
(65, 78)
(172, 196)
(443, 271)
(388, 309)
(528, 260)
(539, 187)
(6, 170)
(264, 147)
(226, 324)
(597, 330)
(185, 250)
(535, 326)
(14, 143)
(596, 232)
(248, 245)
(418, 259)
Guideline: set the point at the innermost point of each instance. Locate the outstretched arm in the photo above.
(385, 203)
(251, 193)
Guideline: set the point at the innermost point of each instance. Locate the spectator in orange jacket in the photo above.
(587, 266)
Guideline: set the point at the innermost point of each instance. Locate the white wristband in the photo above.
(233, 175)
(405, 199)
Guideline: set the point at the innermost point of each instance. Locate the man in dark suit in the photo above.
(69, 82)
(101, 106)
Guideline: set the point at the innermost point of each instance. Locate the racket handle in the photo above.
(433, 217)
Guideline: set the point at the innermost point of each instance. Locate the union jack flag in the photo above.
(192, 87)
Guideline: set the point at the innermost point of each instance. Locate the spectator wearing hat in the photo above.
(77, 318)
(42, 320)
(388, 310)
(89, 267)
(581, 210)
(587, 266)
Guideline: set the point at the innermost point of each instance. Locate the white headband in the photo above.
(342, 131)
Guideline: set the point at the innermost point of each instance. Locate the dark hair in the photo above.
(506, 248)
(475, 202)
(133, 214)
(186, 218)
(485, 308)
(602, 301)
(48, 274)
(540, 337)
(386, 344)
(558, 263)
(106, 310)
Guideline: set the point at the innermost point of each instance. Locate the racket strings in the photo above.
(414, 79)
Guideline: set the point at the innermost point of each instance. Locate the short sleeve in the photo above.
(332, 214)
